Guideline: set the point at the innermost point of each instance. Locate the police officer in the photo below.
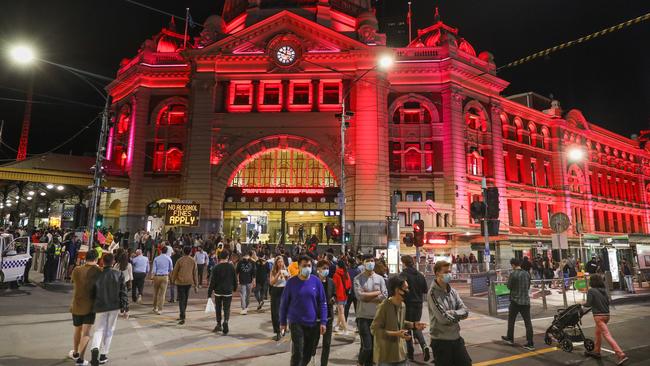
(52, 254)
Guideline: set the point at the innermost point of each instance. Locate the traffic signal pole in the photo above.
(486, 234)
(98, 174)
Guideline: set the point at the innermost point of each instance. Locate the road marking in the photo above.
(606, 350)
(516, 357)
(157, 357)
(217, 347)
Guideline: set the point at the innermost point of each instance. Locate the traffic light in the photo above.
(408, 239)
(336, 233)
(99, 220)
(492, 202)
(346, 238)
(477, 210)
(418, 233)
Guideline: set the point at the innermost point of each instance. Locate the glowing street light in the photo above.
(22, 54)
(31, 193)
(576, 154)
(42, 194)
(49, 186)
(59, 188)
(385, 62)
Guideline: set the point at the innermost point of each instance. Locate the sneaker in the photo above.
(73, 355)
(94, 357)
(259, 307)
(81, 362)
(225, 328)
(508, 341)
(277, 337)
(346, 333)
(622, 360)
(103, 359)
(181, 322)
(427, 354)
(217, 328)
(529, 347)
(139, 301)
(243, 312)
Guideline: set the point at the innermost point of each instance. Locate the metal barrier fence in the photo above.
(39, 258)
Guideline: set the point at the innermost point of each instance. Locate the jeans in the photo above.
(327, 343)
(524, 310)
(183, 295)
(172, 293)
(365, 349)
(450, 353)
(104, 326)
(602, 331)
(138, 285)
(303, 339)
(222, 302)
(629, 283)
(159, 289)
(414, 314)
(259, 291)
(276, 296)
(245, 292)
(200, 269)
(347, 306)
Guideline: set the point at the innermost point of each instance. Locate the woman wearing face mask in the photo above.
(446, 310)
(279, 276)
(390, 327)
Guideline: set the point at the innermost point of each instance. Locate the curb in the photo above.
(631, 299)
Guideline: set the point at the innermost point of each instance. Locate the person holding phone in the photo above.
(279, 276)
(390, 328)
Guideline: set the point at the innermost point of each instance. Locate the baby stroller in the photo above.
(565, 329)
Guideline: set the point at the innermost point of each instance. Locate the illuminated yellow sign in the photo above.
(182, 214)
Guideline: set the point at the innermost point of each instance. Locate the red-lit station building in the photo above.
(241, 119)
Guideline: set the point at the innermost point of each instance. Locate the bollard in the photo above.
(544, 306)
(564, 297)
(492, 300)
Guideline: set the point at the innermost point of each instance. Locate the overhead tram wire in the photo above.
(63, 100)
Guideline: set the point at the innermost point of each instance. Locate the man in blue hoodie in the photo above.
(303, 302)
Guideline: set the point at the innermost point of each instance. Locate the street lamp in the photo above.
(576, 154)
(22, 54)
(384, 62)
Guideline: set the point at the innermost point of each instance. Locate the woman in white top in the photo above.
(279, 276)
(123, 265)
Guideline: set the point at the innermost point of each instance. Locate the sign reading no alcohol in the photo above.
(182, 214)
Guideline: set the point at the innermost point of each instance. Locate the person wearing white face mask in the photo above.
(446, 310)
(370, 290)
(303, 302)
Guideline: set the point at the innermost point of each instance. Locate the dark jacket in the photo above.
(110, 291)
(598, 300)
(330, 296)
(417, 285)
(223, 280)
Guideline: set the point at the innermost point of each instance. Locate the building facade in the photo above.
(241, 119)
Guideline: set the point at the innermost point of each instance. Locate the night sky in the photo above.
(607, 78)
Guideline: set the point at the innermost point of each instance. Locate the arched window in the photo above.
(519, 129)
(174, 160)
(172, 114)
(167, 158)
(119, 141)
(412, 112)
(124, 119)
(412, 159)
(575, 179)
(475, 119)
(544, 138)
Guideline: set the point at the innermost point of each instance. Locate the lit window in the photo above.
(412, 160)
(331, 93)
(428, 157)
(124, 120)
(173, 114)
(413, 196)
(395, 157)
(159, 158)
(271, 94)
(174, 159)
(242, 94)
(522, 214)
(301, 94)
(475, 164)
(415, 216)
(411, 116)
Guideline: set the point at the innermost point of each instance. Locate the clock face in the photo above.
(286, 55)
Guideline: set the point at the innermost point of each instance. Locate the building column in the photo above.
(197, 178)
(497, 162)
(136, 210)
(454, 156)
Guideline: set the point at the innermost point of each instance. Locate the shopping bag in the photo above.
(209, 307)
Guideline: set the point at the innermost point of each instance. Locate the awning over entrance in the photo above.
(61, 169)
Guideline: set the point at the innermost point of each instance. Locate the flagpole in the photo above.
(187, 21)
(410, 15)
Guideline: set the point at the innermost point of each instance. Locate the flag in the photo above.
(85, 237)
(109, 238)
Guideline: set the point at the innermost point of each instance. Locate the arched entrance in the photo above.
(281, 195)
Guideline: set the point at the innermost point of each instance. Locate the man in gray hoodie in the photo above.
(446, 310)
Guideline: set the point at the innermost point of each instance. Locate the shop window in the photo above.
(301, 94)
(413, 196)
(271, 94)
(173, 114)
(428, 157)
(242, 94)
(331, 93)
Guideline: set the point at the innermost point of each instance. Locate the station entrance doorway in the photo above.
(281, 196)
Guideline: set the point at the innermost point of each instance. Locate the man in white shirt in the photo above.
(201, 259)
(238, 247)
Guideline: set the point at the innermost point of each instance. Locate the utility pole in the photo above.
(98, 173)
(344, 116)
(27, 119)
